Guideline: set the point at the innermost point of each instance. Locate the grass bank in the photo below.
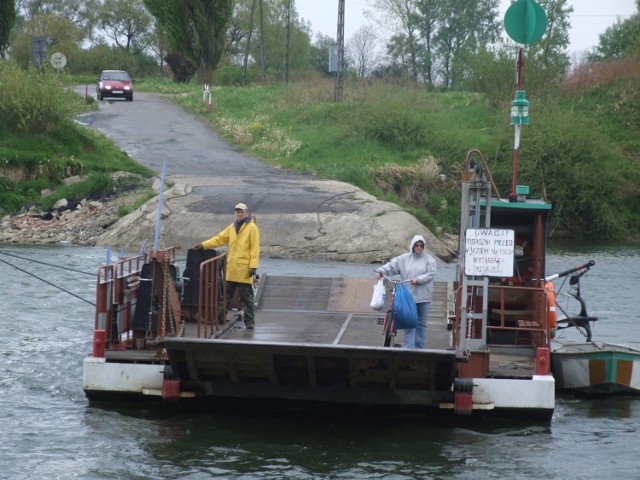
(401, 143)
(408, 145)
(41, 144)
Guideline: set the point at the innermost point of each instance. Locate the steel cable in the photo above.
(47, 282)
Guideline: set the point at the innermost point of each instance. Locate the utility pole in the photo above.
(340, 73)
(246, 51)
(287, 35)
(262, 55)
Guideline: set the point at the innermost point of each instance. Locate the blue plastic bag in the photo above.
(405, 309)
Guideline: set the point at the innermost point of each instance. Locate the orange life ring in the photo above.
(551, 309)
(527, 250)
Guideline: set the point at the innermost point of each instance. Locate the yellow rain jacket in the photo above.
(244, 250)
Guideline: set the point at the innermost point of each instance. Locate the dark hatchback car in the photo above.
(114, 83)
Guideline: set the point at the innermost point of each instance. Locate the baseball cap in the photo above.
(241, 206)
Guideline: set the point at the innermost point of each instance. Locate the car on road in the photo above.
(114, 83)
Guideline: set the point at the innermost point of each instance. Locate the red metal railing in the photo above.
(210, 290)
(116, 292)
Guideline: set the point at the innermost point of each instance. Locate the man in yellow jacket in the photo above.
(243, 239)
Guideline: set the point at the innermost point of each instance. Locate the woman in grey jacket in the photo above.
(420, 268)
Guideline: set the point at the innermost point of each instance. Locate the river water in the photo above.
(48, 430)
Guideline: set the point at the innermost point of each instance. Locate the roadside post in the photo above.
(206, 94)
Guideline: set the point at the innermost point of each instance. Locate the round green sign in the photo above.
(525, 22)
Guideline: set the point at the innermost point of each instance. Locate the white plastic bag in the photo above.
(379, 295)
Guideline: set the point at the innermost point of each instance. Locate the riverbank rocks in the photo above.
(81, 225)
(346, 223)
(350, 225)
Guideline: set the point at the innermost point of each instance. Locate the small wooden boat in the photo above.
(590, 368)
(596, 369)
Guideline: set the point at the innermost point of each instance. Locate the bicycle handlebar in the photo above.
(394, 281)
(586, 266)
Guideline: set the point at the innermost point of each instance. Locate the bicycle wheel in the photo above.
(388, 329)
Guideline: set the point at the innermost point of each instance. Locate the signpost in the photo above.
(58, 61)
(489, 252)
(39, 51)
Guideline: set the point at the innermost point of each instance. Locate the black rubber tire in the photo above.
(388, 332)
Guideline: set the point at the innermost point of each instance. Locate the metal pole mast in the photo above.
(516, 139)
(246, 51)
(262, 54)
(286, 42)
(340, 73)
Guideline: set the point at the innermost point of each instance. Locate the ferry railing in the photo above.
(520, 311)
(211, 295)
(116, 293)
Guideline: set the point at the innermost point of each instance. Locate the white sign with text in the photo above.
(489, 252)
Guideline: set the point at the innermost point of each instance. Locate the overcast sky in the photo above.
(590, 18)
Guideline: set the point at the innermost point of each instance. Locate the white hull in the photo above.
(105, 380)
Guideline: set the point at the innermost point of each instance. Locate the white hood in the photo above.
(417, 238)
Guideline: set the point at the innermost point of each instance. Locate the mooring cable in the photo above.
(45, 263)
(48, 282)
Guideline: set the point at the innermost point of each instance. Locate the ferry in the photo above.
(157, 334)
(317, 341)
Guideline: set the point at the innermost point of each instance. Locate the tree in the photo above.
(197, 30)
(61, 33)
(428, 22)
(78, 12)
(492, 73)
(7, 20)
(274, 22)
(319, 53)
(401, 17)
(127, 23)
(548, 59)
(619, 40)
(361, 50)
(434, 40)
(465, 27)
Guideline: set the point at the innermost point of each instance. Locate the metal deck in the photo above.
(318, 339)
(329, 311)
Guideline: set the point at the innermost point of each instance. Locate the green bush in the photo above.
(13, 194)
(107, 57)
(392, 117)
(583, 172)
(35, 102)
(230, 75)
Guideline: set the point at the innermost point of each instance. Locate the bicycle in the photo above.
(388, 322)
(581, 321)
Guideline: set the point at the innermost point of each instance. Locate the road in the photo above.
(299, 216)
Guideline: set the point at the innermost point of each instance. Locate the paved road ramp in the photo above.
(299, 216)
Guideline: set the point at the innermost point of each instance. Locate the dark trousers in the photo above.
(246, 300)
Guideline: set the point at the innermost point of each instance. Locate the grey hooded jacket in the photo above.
(414, 265)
